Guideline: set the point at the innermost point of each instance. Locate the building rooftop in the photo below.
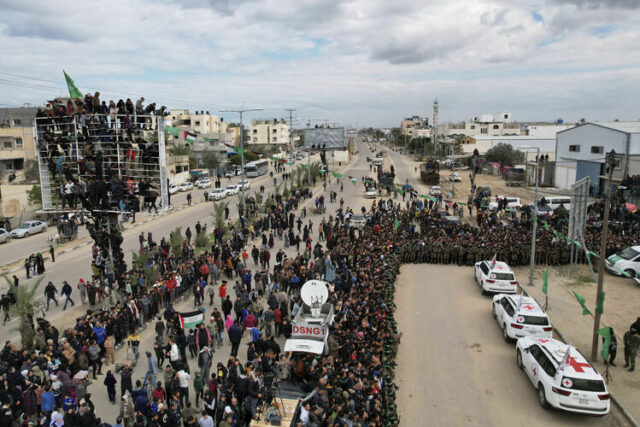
(627, 127)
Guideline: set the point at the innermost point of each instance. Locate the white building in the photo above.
(485, 125)
(264, 132)
(483, 144)
(581, 152)
(545, 130)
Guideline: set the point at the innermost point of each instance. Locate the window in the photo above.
(574, 148)
(255, 131)
(496, 127)
(17, 122)
(597, 149)
(7, 144)
(473, 126)
(483, 130)
(484, 268)
(535, 351)
(198, 123)
(18, 142)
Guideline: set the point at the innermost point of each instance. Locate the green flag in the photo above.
(545, 281)
(545, 223)
(582, 302)
(73, 90)
(396, 224)
(336, 174)
(304, 166)
(274, 158)
(173, 131)
(211, 139)
(600, 303)
(606, 334)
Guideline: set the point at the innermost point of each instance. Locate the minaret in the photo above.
(434, 132)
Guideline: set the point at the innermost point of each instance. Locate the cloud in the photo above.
(358, 61)
(597, 4)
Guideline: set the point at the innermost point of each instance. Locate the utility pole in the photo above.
(240, 111)
(290, 111)
(611, 163)
(534, 224)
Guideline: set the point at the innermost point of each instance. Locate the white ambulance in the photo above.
(495, 276)
(520, 317)
(563, 377)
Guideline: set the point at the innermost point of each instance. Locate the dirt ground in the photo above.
(454, 368)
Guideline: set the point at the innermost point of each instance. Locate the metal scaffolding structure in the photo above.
(115, 162)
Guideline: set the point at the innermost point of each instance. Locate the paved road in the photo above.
(453, 366)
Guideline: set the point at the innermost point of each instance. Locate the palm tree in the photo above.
(25, 309)
(218, 214)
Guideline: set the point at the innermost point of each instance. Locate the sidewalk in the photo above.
(620, 310)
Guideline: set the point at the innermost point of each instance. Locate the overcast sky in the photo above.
(359, 62)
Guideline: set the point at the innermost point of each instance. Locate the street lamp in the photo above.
(534, 224)
(240, 111)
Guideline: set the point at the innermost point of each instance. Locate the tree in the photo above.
(505, 155)
(202, 240)
(210, 161)
(180, 150)
(25, 309)
(236, 159)
(176, 239)
(143, 261)
(34, 195)
(218, 214)
(396, 134)
(31, 173)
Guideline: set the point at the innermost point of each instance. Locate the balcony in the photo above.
(11, 153)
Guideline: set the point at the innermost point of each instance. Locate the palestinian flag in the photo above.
(191, 319)
(189, 137)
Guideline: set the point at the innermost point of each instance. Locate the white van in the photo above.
(627, 261)
(554, 202)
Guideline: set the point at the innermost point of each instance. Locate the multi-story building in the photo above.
(201, 123)
(485, 125)
(16, 138)
(410, 124)
(265, 132)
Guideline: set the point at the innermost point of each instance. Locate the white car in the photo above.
(244, 185)
(186, 186)
(435, 190)
(5, 236)
(28, 228)
(217, 194)
(203, 183)
(455, 177)
(370, 193)
(173, 189)
(572, 386)
(495, 276)
(357, 219)
(627, 261)
(529, 320)
(231, 189)
(512, 203)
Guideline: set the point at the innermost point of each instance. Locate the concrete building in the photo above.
(485, 125)
(266, 132)
(545, 130)
(581, 152)
(16, 138)
(485, 143)
(409, 124)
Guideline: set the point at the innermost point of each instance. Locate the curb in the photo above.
(626, 414)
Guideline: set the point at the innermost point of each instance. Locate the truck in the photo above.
(430, 172)
(386, 179)
(516, 176)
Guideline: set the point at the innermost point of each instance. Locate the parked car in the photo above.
(5, 236)
(28, 228)
(244, 185)
(512, 203)
(520, 316)
(483, 191)
(203, 183)
(173, 189)
(626, 261)
(231, 189)
(563, 377)
(455, 177)
(495, 276)
(435, 190)
(186, 186)
(217, 194)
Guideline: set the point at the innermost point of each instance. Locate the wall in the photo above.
(566, 174)
(14, 201)
(589, 135)
(341, 156)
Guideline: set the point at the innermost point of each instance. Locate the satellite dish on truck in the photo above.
(314, 293)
